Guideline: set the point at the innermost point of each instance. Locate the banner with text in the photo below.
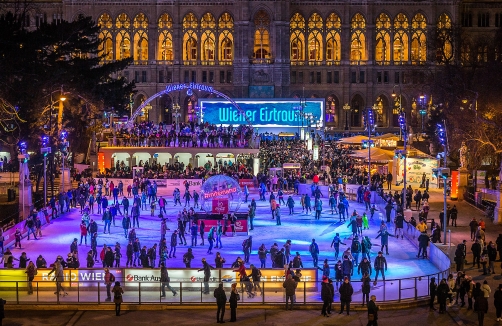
(264, 112)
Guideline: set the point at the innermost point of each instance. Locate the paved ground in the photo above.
(410, 317)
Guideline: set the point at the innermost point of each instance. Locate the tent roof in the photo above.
(387, 136)
(377, 154)
(353, 140)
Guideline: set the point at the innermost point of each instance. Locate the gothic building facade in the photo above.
(353, 54)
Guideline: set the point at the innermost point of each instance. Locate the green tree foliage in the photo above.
(35, 63)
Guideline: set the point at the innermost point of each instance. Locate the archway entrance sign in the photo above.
(190, 87)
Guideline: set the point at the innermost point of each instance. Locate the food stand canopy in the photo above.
(377, 154)
(353, 140)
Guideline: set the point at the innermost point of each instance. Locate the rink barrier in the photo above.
(144, 290)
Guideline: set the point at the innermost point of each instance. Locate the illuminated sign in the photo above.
(199, 87)
(220, 193)
(264, 113)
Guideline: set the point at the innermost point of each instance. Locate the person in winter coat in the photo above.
(492, 256)
(379, 265)
(476, 253)
(346, 292)
(432, 292)
(325, 269)
(423, 243)
(290, 286)
(366, 248)
(399, 226)
(314, 252)
(442, 294)
(355, 248)
(234, 297)
(366, 287)
(372, 312)
(221, 300)
(326, 296)
(291, 205)
(353, 225)
(347, 267)
(207, 274)
(482, 304)
(497, 301)
(384, 240)
(364, 267)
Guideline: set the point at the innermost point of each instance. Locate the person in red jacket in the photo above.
(315, 179)
(83, 232)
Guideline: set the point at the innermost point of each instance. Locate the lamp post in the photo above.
(443, 140)
(64, 145)
(370, 126)
(404, 130)
(176, 110)
(346, 108)
(45, 150)
(423, 110)
(400, 106)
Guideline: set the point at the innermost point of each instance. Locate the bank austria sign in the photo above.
(262, 112)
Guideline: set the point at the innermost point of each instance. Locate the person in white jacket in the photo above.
(486, 289)
(451, 286)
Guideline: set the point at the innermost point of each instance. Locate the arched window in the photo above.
(123, 38)
(333, 47)
(444, 50)
(465, 54)
(315, 42)
(208, 40)
(261, 50)
(226, 39)
(165, 45)
(358, 39)
(190, 40)
(140, 25)
(297, 39)
(382, 46)
(418, 39)
(400, 45)
(105, 22)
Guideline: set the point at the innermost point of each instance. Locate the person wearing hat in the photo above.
(109, 279)
(207, 274)
(117, 297)
(497, 301)
(326, 296)
(346, 292)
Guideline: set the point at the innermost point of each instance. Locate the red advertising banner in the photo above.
(246, 182)
(240, 226)
(220, 205)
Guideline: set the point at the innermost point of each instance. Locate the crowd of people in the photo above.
(190, 134)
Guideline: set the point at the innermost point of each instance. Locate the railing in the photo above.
(92, 292)
(178, 143)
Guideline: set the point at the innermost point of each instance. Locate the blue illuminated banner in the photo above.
(264, 113)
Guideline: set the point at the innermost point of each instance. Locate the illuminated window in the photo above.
(315, 42)
(400, 45)
(418, 39)
(140, 25)
(190, 39)
(382, 47)
(333, 30)
(165, 45)
(297, 39)
(465, 53)
(208, 40)
(123, 37)
(226, 38)
(444, 50)
(261, 49)
(105, 22)
(358, 39)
